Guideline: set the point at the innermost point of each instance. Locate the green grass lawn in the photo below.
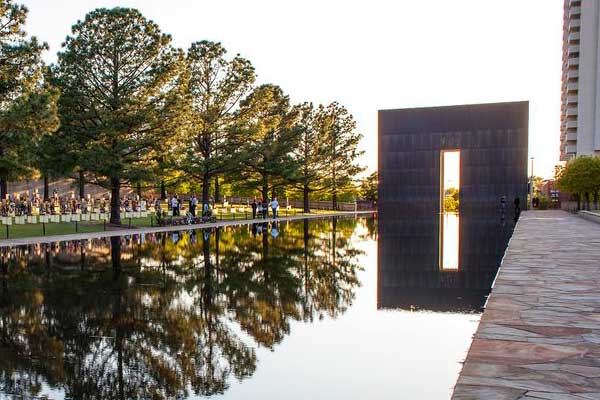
(65, 228)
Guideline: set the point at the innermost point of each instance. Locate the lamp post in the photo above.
(531, 185)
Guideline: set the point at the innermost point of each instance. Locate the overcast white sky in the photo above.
(371, 55)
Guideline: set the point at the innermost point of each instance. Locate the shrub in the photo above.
(544, 203)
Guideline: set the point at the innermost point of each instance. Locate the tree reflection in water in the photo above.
(159, 316)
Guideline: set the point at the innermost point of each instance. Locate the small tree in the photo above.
(338, 127)
(581, 177)
(310, 155)
(124, 101)
(51, 160)
(368, 187)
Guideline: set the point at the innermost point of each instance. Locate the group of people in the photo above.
(175, 205)
(26, 204)
(261, 208)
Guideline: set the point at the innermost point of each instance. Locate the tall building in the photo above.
(580, 111)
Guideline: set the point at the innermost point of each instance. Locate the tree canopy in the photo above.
(267, 135)
(27, 100)
(581, 176)
(216, 86)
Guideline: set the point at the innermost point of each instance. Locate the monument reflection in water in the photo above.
(165, 315)
(416, 265)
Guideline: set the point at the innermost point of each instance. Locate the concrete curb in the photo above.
(590, 216)
(124, 232)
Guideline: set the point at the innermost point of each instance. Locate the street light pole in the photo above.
(531, 186)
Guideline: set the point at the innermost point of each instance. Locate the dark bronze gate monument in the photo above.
(491, 140)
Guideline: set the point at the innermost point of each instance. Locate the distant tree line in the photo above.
(122, 107)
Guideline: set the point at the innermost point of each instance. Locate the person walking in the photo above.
(274, 207)
(254, 206)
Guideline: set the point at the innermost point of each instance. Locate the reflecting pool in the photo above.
(293, 310)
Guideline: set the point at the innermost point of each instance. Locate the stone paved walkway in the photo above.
(539, 337)
(137, 231)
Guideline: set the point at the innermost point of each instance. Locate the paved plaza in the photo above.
(539, 337)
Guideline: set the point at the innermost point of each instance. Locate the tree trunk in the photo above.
(81, 185)
(306, 199)
(163, 190)
(46, 189)
(587, 201)
(265, 193)
(205, 190)
(273, 193)
(334, 201)
(265, 188)
(578, 201)
(217, 190)
(115, 201)
(3, 188)
(3, 181)
(139, 189)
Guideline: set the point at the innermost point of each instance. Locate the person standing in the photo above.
(259, 208)
(274, 207)
(175, 205)
(265, 209)
(193, 204)
(254, 206)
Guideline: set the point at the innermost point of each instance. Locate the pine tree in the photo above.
(267, 137)
(310, 155)
(124, 103)
(337, 125)
(27, 100)
(216, 87)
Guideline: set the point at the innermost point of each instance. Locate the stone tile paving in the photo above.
(539, 337)
(134, 231)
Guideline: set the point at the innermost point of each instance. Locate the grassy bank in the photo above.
(66, 228)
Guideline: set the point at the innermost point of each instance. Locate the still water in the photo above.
(297, 310)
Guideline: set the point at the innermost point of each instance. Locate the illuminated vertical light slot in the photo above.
(449, 209)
